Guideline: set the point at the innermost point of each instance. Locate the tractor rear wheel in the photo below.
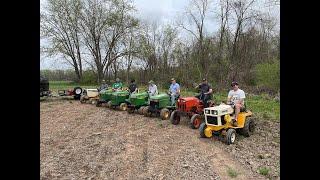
(175, 117)
(140, 110)
(202, 127)
(195, 121)
(146, 111)
(249, 127)
(130, 110)
(165, 114)
(231, 136)
(123, 106)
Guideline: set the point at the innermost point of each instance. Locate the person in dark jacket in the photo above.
(133, 88)
(205, 91)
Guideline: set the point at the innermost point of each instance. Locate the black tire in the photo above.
(123, 107)
(140, 110)
(98, 104)
(82, 100)
(130, 110)
(202, 127)
(77, 92)
(175, 118)
(195, 121)
(231, 136)
(76, 97)
(146, 111)
(249, 127)
(165, 114)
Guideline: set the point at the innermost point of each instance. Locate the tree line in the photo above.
(107, 37)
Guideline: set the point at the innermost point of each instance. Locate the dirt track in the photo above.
(81, 141)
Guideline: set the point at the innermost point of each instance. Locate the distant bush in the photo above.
(268, 75)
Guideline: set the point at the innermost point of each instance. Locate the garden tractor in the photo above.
(191, 107)
(218, 122)
(118, 98)
(137, 101)
(104, 97)
(159, 105)
(90, 96)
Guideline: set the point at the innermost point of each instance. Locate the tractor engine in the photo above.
(189, 104)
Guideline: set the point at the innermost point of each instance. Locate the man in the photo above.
(152, 90)
(103, 85)
(133, 88)
(117, 86)
(205, 91)
(236, 97)
(174, 91)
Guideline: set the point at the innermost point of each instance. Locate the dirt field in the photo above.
(81, 141)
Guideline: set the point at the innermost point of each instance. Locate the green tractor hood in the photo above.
(141, 95)
(160, 97)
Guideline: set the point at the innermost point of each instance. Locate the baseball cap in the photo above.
(151, 82)
(172, 79)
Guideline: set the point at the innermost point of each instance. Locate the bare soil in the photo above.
(81, 141)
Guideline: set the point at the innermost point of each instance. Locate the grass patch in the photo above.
(232, 173)
(263, 171)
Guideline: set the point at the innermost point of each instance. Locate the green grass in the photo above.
(263, 171)
(232, 173)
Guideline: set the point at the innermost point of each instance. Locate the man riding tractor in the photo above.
(193, 106)
(225, 119)
(117, 86)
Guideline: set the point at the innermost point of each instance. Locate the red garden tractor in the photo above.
(191, 107)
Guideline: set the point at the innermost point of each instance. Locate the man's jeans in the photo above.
(173, 98)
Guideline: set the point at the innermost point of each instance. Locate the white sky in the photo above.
(163, 12)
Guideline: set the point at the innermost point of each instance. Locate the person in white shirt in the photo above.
(153, 90)
(236, 97)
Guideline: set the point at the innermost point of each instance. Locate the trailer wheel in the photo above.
(175, 118)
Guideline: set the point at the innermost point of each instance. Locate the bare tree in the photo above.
(60, 26)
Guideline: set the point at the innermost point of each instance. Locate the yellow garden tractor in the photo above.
(218, 122)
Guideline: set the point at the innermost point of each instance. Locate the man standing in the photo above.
(205, 91)
(236, 97)
(133, 88)
(152, 90)
(174, 91)
(103, 85)
(117, 86)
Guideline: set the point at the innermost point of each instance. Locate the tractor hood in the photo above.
(186, 99)
(139, 95)
(105, 91)
(160, 96)
(120, 93)
(220, 110)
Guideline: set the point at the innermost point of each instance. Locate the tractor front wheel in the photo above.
(109, 104)
(202, 127)
(195, 121)
(130, 110)
(175, 117)
(231, 136)
(140, 110)
(165, 114)
(249, 127)
(123, 106)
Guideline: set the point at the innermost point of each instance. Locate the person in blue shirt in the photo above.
(174, 91)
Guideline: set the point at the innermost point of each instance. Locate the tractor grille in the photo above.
(182, 106)
(154, 104)
(212, 120)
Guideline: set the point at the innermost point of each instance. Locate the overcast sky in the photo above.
(163, 12)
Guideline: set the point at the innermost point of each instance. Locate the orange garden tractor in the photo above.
(191, 107)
